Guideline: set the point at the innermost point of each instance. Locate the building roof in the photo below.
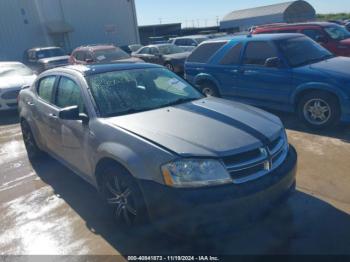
(289, 10)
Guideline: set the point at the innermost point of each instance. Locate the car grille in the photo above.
(256, 163)
(10, 94)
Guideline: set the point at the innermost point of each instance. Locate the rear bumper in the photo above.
(190, 209)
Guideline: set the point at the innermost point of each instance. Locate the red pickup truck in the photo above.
(333, 37)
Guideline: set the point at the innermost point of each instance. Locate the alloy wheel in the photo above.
(121, 198)
(317, 111)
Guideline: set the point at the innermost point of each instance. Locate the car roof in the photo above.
(104, 68)
(191, 36)
(95, 47)
(284, 25)
(43, 48)
(7, 63)
(262, 37)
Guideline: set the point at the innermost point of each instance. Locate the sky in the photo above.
(207, 12)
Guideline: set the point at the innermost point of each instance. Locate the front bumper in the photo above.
(188, 210)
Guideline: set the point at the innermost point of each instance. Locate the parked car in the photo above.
(145, 138)
(40, 59)
(347, 26)
(288, 72)
(168, 55)
(131, 48)
(189, 43)
(13, 76)
(101, 54)
(332, 36)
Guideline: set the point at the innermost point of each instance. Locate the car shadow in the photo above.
(302, 224)
(9, 117)
(291, 122)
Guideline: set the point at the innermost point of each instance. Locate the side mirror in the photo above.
(72, 113)
(273, 62)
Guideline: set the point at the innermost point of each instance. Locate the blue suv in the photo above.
(288, 72)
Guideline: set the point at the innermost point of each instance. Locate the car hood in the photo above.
(54, 59)
(209, 127)
(178, 56)
(16, 81)
(337, 66)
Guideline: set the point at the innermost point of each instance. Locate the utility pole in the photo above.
(160, 20)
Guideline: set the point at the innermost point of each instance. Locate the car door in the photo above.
(144, 54)
(259, 83)
(156, 57)
(75, 148)
(45, 112)
(228, 68)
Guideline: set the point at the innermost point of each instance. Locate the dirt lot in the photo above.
(46, 209)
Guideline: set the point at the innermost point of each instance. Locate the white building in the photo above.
(66, 23)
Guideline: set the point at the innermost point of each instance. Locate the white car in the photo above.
(188, 43)
(13, 76)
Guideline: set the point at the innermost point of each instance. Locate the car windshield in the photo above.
(15, 70)
(46, 53)
(170, 49)
(123, 92)
(111, 54)
(337, 32)
(301, 51)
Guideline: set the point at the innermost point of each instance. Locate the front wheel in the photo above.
(124, 197)
(208, 89)
(319, 110)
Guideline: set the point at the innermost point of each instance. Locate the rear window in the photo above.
(204, 52)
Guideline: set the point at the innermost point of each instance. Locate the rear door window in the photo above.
(204, 52)
(45, 88)
(233, 56)
(257, 52)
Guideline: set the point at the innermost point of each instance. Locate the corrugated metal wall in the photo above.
(23, 23)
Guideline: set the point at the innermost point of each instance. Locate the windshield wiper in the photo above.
(180, 101)
(125, 112)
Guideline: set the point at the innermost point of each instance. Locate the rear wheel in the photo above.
(32, 148)
(319, 110)
(124, 197)
(208, 89)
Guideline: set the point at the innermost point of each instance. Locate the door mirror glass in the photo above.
(273, 62)
(69, 113)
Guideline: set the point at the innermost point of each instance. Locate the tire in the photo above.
(124, 197)
(33, 151)
(208, 89)
(170, 67)
(319, 110)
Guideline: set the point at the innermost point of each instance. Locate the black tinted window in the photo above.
(182, 42)
(313, 33)
(204, 52)
(257, 53)
(68, 94)
(80, 56)
(233, 56)
(45, 88)
(145, 50)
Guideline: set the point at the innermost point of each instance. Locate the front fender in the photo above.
(342, 96)
(205, 77)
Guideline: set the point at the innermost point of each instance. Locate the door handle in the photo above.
(249, 72)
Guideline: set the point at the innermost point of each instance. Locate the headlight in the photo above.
(195, 173)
